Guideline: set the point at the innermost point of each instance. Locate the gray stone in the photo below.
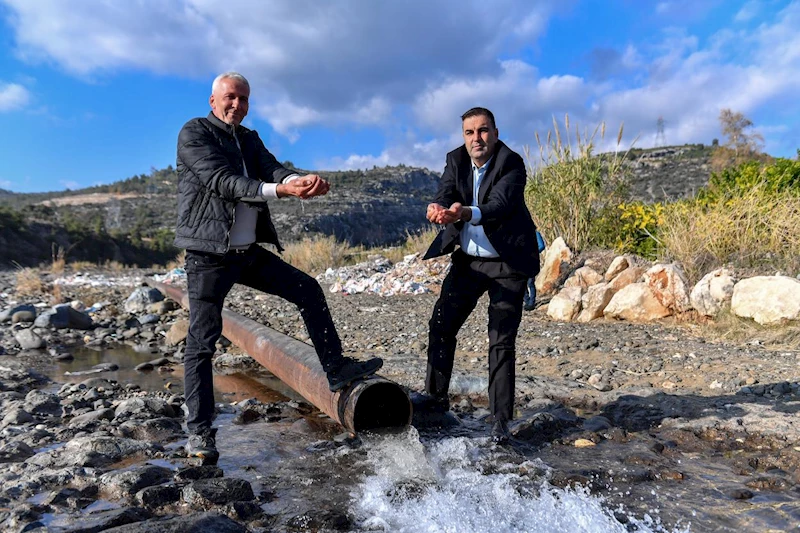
(29, 340)
(141, 299)
(64, 316)
(206, 493)
(184, 524)
(128, 482)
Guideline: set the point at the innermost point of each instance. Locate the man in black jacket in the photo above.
(226, 176)
(481, 203)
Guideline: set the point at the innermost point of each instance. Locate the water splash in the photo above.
(463, 484)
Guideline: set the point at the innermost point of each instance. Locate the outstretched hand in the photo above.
(304, 187)
(439, 215)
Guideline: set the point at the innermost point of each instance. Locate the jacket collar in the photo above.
(230, 130)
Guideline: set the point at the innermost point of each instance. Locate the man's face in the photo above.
(230, 101)
(480, 136)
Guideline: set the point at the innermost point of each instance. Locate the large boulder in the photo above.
(632, 274)
(669, 285)
(566, 304)
(584, 278)
(713, 292)
(637, 303)
(594, 302)
(140, 300)
(556, 260)
(619, 264)
(768, 300)
(64, 316)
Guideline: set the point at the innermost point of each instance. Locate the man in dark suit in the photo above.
(481, 203)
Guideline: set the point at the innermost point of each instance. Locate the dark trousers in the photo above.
(469, 278)
(210, 278)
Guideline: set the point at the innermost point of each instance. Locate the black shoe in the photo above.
(500, 433)
(426, 403)
(350, 370)
(529, 307)
(204, 446)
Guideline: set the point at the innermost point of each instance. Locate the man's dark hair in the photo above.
(479, 111)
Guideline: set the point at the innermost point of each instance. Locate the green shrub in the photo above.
(572, 193)
(638, 227)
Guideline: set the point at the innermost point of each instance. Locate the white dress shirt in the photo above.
(473, 238)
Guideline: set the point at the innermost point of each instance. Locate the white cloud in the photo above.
(69, 184)
(13, 97)
(748, 11)
(5, 184)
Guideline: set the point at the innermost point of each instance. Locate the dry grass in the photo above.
(59, 260)
(30, 283)
(316, 254)
(737, 330)
(415, 243)
(76, 266)
(751, 232)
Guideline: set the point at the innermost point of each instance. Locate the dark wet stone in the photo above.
(38, 402)
(144, 367)
(24, 315)
(247, 416)
(193, 473)
(657, 447)
(15, 452)
(206, 493)
(158, 496)
(194, 523)
(73, 498)
(546, 425)
(128, 482)
(150, 318)
(17, 417)
(644, 459)
(105, 520)
(144, 407)
(244, 511)
(320, 520)
(155, 429)
(741, 494)
(669, 474)
(596, 424)
(92, 417)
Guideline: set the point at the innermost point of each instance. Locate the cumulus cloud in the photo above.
(13, 96)
(417, 65)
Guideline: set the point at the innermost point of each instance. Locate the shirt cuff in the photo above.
(476, 215)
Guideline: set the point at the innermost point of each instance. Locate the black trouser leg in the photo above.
(506, 293)
(272, 275)
(460, 292)
(210, 278)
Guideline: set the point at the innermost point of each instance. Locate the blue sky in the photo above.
(95, 91)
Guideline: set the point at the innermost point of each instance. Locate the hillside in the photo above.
(131, 221)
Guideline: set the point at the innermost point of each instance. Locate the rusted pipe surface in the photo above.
(371, 403)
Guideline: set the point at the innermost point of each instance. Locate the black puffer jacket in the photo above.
(211, 181)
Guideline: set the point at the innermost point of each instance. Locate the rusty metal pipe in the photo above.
(371, 403)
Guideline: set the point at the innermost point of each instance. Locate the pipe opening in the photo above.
(381, 405)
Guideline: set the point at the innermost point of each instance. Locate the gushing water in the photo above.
(468, 485)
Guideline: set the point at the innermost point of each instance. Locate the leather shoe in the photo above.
(500, 433)
(426, 403)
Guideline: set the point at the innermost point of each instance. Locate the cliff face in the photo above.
(668, 173)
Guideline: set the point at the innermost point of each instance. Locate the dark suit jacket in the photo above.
(504, 216)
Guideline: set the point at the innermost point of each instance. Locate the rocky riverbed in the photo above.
(672, 430)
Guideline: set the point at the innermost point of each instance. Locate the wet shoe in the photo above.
(204, 446)
(500, 433)
(426, 403)
(350, 370)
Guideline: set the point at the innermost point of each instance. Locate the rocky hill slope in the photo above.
(131, 221)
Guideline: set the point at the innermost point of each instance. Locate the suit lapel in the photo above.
(489, 177)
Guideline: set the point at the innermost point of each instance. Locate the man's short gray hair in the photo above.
(229, 75)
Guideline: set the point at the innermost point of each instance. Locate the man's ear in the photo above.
(211, 101)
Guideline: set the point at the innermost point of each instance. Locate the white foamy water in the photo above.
(467, 485)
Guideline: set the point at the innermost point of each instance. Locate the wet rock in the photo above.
(8, 314)
(144, 367)
(72, 497)
(145, 407)
(140, 299)
(105, 520)
(17, 417)
(243, 361)
(150, 318)
(192, 523)
(773, 483)
(128, 482)
(158, 496)
(741, 494)
(92, 417)
(160, 429)
(15, 377)
(38, 402)
(63, 316)
(15, 452)
(317, 520)
(24, 316)
(244, 511)
(205, 493)
(29, 340)
(596, 424)
(194, 473)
